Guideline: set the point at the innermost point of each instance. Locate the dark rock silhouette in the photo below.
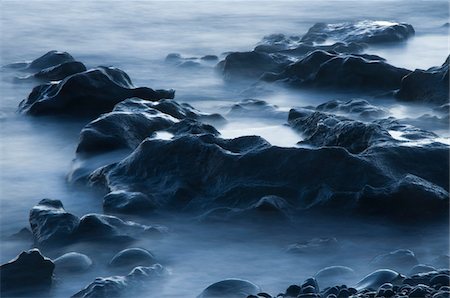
(88, 93)
(29, 273)
(366, 31)
(123, 286)
(50, 59)
(429, 86)
(230, 288)
(60, 71)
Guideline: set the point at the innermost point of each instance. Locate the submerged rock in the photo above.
(51, 224)
(230, 288)
(28, 274)
(430, 86)
(421, 268)
(314, 246)
(132, 257)
(88, 93)
(398, 260)
(366, 31)
(123, 286)
(72, 262)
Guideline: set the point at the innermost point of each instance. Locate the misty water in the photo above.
(37, 153)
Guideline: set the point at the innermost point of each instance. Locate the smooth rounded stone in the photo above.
(123, 286)
(51, 224)
(132, 257)
(60, 71)
(440, 280)
(334, 275)
(128, 202)
(420, 268)
(50, 59)
(230, 288)
(385, 289)
(419, 291)
(365, 31)
(313, 246)
(321, 69)
(398, 260)
(28, 274)
(427, 86)
(322, 129)
(250, 65)
(359, 107)
(310, 283)
(107, 228)
(293, 291)
(379, 277)
(88, 93)
(441, 294)
(72, 262)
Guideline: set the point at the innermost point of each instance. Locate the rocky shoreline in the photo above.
(352, 157)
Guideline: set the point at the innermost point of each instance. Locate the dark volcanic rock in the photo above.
(132, 257)
(91, 92)
(230, 288)
(321, 129)
(60, 71)
(134, 119)
(346, 72)
(398, 260)
(430, 85)
(51, 224)
(128, 202)
(367, 31)
(123, 286)
(50, 59)
(255, 108)
(205, 172)
(355, 107)
(250, 65)
(72, 262)
(28, 274)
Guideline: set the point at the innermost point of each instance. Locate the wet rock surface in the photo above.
(230, 288)
(132, 257)
(82, 93)
(123, 286)
(72, 262)
(429, 86)
(29, 272)
(52, 226)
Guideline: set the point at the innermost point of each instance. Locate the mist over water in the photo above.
(36, 154)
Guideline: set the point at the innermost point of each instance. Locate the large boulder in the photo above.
(50, 59)
(30, 273)
(135, 119)
(430, 86)
(365, 31)
(51, 224)
(60, 71)
(250, 65)
(123, 286)
(322, 129)
(344, 72)
(401, 260)
(375, 279)
(88, 93)
(132, 257)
